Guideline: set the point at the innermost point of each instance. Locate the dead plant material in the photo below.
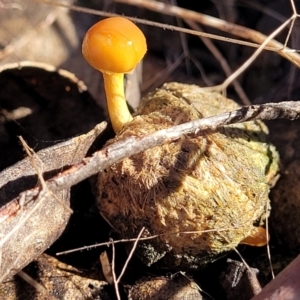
(202, 193)
(32, 221)
(165, 288)
(102, 159)
(32, 94)
(222, 25)
(106, 267)
(58, 280)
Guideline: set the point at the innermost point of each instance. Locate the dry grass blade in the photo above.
(130, 255)
(34, 283)
(113, 271)
(222, 25)
(225, 66)
(32, 156)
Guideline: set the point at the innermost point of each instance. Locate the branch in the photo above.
(133, 145)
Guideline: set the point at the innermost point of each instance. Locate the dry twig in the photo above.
(222, 25)
(133, 145)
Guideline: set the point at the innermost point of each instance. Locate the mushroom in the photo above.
(114, 46)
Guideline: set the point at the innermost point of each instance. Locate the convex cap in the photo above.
(114, 45)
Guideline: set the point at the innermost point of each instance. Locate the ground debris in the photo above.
(60, 281)
(165, 288)
(239, 281)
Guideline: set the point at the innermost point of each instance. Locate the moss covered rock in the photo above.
(203, 194)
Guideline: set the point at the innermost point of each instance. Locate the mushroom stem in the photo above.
(116, 103)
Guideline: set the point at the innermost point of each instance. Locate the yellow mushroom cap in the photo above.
(114, 45)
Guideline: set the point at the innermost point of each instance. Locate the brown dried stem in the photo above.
(222, 25)
(133, 145)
